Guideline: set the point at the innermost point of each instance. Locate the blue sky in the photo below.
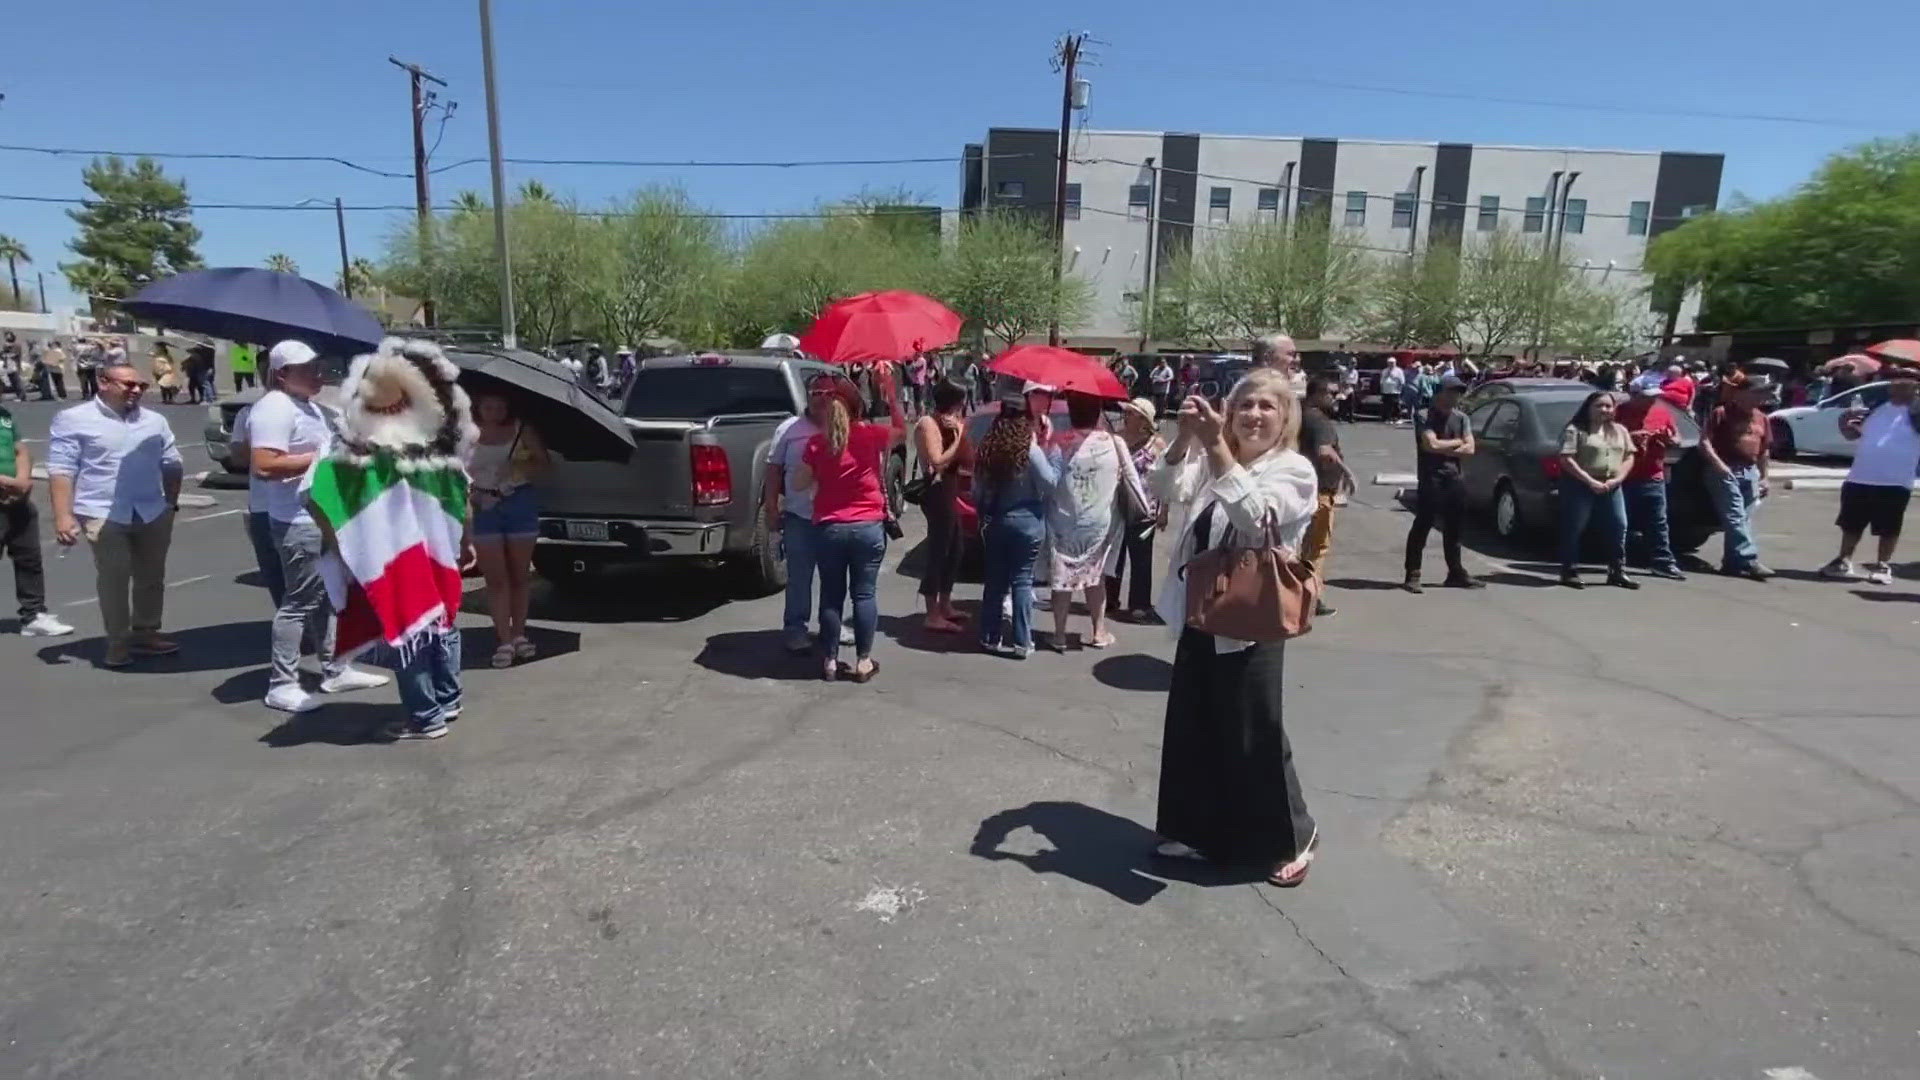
(758, 79)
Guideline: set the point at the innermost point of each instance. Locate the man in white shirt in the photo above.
(114, 473)
(1880, 483)
(287, 432)
(1393, 381)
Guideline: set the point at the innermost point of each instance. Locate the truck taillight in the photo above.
(712, 476)
(1552, 467)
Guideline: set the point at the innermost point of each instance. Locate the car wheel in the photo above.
(563, 570)
(1687, 539)
(760, 569)
(1507, 521)
(896, 482)
(1783, 448)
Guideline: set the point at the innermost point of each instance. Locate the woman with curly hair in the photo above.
(1013, 481)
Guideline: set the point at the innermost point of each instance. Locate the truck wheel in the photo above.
(565, 572)
(897, 482)
(760, 569)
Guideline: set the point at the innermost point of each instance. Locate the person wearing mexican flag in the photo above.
(391, 499)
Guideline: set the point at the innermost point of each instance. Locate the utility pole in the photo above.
(1067, 59)
(346, 269)
(422, 205)
(509, 338)
(43, 293)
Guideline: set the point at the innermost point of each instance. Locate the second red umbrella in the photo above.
(891, 325)
(1062, 369)
(1899, 351)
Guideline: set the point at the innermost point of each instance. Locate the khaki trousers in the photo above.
(130, 569)
(1319, 538)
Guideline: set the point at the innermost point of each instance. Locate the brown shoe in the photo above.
(117, 655)
(153, 645)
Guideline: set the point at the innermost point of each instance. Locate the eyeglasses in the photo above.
(130, 384)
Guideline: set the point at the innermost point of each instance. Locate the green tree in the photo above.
(1844, 247)
(1239, 283)
(361, 279)
(14, 252)
(280, 262)
(659, 266)
(1415, 298)
(999, 274)
(138, 227)
(789, 270)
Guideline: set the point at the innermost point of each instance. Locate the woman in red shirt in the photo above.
(846, 467)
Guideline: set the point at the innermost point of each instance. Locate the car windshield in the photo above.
(695, 393)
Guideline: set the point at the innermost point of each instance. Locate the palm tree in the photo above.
(360, 278)
(282, 263)
(535, 191)
(14, 252)
(469, 202)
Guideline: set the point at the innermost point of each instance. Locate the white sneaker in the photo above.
(288, 697)
(45, 625)
(1839, 570)
(1879, 574)
(352, 678)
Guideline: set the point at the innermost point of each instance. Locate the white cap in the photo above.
(1035, 387)
(290, 352)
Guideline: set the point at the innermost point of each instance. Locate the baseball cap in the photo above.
(1036, 387)
(290, 352)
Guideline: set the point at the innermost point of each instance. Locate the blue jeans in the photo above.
(1733, 496)
(1011, 542)
(429, 680)
(266, 556)
(849, 554)
(801, 538)
(1647, 515)
(1581, 505)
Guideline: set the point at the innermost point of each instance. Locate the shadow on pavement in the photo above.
(202, 648)
(1362, 584)
(645, 594)
(477, 645)
(1135, 671)
(1524, 581)
(910, 631)
(1795, 574)
(1090, 846)
(342, 723)
(758, 654)
(1884, 597)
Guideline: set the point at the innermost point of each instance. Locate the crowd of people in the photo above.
(43, 367)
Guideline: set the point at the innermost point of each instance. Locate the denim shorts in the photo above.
(515, 517)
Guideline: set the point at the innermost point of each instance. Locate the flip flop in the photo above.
(1100, 643)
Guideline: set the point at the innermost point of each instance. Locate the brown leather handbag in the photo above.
(1251, 594)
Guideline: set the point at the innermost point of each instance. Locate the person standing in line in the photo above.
(1349, 395)
(1393, 382)
(244, 359)
(12, 366)
(1737, 444)
(1162, 379)
(1649, 419)
(1127, 373)
(1013, 481)
(166, 376)
(86, 363)
(1596, 454)
(20, 534)
(287, 432)
(789, 510)
(1320, 444)
(1134, 553)
(259, 526)
(1879, 484)
(940, 445)
(1441, 440)
(114, 472)
(53, 368)
(509, 456)
(1229, 792)
(845, 464)
(1085, 521)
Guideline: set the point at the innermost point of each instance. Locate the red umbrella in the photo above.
(1062, 369)
(1861, 365)
(1899, 350)
(891, 325)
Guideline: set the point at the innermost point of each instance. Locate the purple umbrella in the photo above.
(261, 307)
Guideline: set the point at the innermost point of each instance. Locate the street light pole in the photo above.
(508, 337)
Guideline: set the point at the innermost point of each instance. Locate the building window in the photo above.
(1403, 204)
(1489, 213)
(1356, 209)
(1010, 189)
(1573, 216)
(1536, 218)
(1637, 214)
(1219, 205)
(1073, 202)
(1693, 211)
(1139, 197)
(1268, 205)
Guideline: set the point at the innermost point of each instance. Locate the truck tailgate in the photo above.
(656, 482)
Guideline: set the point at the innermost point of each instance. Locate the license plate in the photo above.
(586, 530)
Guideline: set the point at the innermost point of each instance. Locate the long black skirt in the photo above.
(1227, 785)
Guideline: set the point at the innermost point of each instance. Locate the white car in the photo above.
(1815, 429)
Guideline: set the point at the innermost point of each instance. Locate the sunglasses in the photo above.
(130, 384)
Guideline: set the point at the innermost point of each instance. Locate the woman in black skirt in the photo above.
(1228, 791)
(940, 444)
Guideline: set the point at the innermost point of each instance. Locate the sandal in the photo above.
(524, 649)
(1305, 859)
(863, 677)
(1100, 642)
(503, 656)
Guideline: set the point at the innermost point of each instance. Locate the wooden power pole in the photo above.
(422, 204)
(1067, 59)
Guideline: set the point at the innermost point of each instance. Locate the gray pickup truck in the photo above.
(701, 427)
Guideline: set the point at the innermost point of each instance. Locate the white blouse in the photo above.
(1280, 482)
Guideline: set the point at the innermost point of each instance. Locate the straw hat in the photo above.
(1143, 408)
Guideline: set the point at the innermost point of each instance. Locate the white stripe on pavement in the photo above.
(170, 585)
(208, 517)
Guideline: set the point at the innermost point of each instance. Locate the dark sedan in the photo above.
(1514, 473)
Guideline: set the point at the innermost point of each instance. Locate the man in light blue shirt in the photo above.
(114, 474)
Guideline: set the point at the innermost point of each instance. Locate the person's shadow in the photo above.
(1089, 845)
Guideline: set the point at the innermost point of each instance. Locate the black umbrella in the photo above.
(573, 421)
(259, 307)
(1766, 364)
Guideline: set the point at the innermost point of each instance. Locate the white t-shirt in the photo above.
(279, 422)
(789, 440)
(256, 498)
(1888, 452)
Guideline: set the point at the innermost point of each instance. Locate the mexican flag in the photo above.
(394, 572)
